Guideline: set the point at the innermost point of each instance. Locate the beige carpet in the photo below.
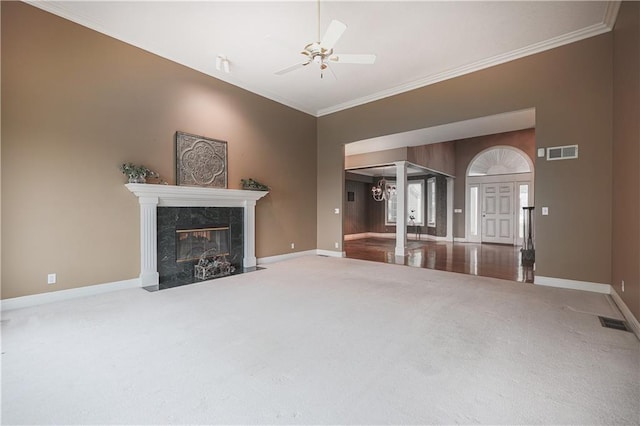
(319, 340)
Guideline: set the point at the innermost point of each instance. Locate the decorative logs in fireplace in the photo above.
(212, 265)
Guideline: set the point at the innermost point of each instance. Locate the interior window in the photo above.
(524, 202)
(473, 210)
(415, 204)
(431, 201)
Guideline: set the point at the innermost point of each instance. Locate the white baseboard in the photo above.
(72, 293)
(281, 257)
(91, 290)
(427, 237)
(351, 237)
(572, 284)
(460, 240)
(392, 236)
(330, 253)
(628, 315)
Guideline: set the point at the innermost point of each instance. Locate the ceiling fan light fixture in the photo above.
(320, 52)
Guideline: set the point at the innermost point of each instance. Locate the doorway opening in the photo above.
(499, 184)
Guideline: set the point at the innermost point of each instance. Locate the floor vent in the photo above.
(323, 255)
(614, 323)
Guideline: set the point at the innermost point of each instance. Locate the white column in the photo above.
(401, 209)
(249, 233)
(149, 241)
(449, 208)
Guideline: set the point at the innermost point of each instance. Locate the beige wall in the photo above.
(571, 89)
(76, 104)
(626, 156)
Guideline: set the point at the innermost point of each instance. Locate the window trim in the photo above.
(431, 202)
(422, 184)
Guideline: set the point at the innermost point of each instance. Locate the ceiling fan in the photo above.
(321, 52)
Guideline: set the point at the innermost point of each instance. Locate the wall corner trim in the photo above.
(73, 293)
(628, 315)
(572, 284)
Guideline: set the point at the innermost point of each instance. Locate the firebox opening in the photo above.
(192, 243)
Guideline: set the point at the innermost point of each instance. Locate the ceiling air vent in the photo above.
(562, 152)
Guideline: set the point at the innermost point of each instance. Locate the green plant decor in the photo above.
(137, 174)
(253, 185)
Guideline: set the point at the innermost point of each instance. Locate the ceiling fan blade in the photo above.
(291, 68)
(348, 58)
(334, 32)
(335, 77)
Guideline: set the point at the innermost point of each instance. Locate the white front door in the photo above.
(498, 216)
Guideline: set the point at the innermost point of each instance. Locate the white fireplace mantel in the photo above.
(151, 196)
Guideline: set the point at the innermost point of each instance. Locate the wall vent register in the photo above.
(566, 152)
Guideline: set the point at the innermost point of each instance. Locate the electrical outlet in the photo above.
(622, 284)
(51, 279)
(293, 245)
(337, 245)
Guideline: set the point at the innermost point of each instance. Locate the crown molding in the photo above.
(606, 25)
(611, 14)
(532, 49)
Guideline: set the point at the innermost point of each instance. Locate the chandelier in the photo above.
(383, 191)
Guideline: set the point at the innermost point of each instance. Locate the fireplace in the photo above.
(186, 233)
(154, 198)
(191, 244)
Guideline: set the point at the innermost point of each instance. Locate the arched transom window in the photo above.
(499, 161)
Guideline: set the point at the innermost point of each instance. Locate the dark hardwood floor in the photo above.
(487, 260)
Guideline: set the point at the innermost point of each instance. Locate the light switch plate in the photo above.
(541, 152)
(336, 211)
(545, 211)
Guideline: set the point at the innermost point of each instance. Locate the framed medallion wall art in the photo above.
(200, 161)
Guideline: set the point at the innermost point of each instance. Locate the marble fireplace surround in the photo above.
(151, 196)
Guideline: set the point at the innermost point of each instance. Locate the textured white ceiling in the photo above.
(416, 43)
